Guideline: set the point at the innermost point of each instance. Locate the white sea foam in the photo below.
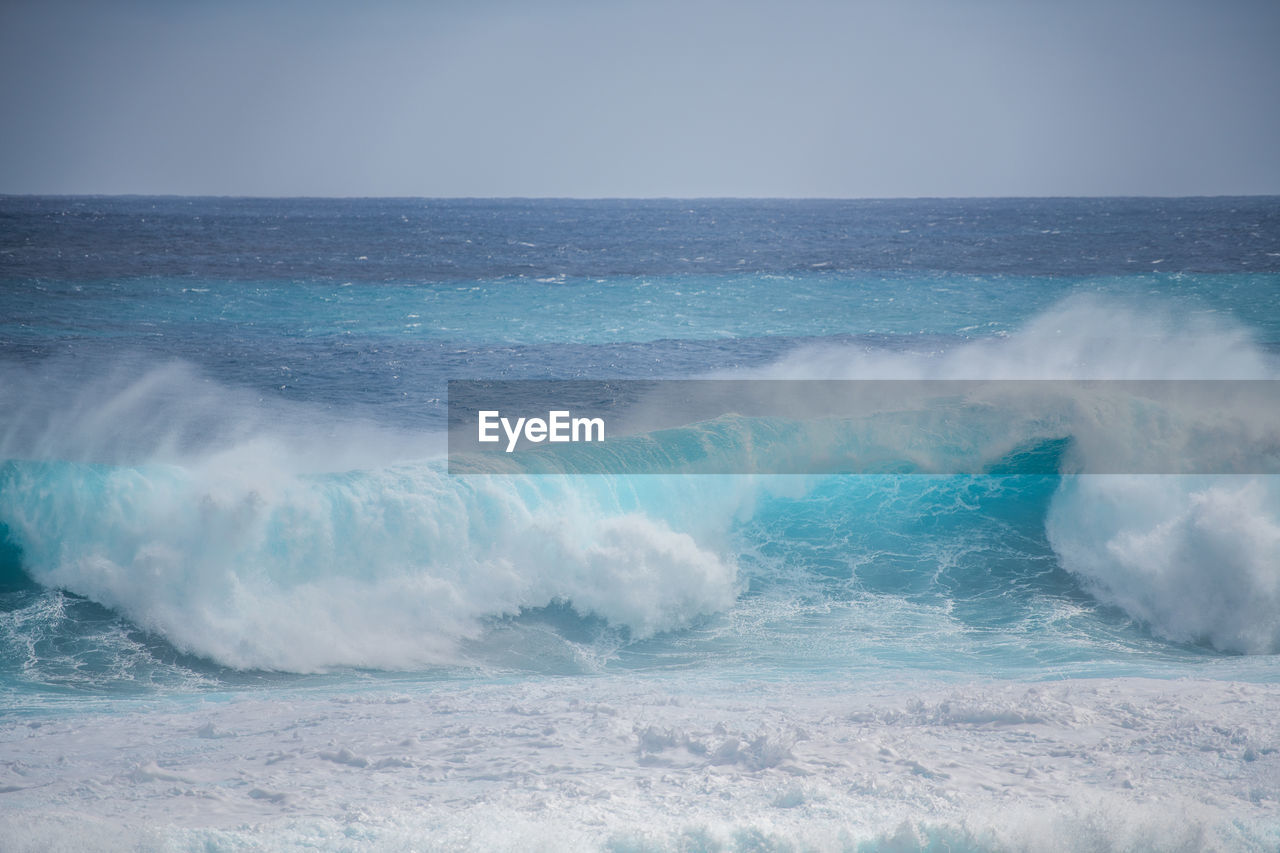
(680, 763)
(1196, 559)
(387, 568)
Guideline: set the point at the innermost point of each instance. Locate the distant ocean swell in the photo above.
(260, 539)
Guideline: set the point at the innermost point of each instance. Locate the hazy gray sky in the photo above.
(617, 98)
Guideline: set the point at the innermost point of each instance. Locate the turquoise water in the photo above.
(225, 454)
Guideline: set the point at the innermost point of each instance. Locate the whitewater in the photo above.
(245, 604)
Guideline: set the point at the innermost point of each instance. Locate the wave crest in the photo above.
(388, 568)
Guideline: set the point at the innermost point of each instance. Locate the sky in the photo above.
(614, 98)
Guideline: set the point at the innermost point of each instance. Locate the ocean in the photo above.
(244, 603)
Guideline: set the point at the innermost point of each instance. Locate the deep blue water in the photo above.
(221, 424)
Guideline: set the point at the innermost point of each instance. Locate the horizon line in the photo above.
(7, 195)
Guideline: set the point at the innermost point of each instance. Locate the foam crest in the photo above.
(1196, 559)
(387, 568)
